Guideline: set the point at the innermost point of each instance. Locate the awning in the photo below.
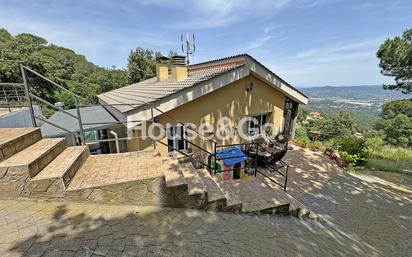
(232, 156)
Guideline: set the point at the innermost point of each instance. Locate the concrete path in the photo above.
(359, 218)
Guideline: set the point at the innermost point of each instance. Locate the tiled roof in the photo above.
(148, 91)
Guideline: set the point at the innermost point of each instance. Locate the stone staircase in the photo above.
(45, 168)
(31, 155)
(212, 193)
(53, 180)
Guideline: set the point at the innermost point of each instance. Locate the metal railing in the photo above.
(285, 184)
(11, 95)
(29, 96)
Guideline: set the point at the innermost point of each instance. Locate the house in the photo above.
(225, 101)
(312, 116)
(315, 115)
(98, 124)
(200, 95)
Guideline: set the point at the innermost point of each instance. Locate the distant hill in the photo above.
(363, 101)
(374, 93)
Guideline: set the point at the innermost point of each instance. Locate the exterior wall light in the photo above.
(249, 87)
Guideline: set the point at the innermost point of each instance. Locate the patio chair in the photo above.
(274, 162)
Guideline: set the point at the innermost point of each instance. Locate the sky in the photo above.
(307, 43)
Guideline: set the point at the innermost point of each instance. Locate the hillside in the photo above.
(64, 66)
(363, 101)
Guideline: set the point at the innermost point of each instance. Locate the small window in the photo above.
(255, 127)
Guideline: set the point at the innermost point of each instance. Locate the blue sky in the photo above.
(308, 43)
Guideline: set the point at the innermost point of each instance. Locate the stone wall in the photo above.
(148, 192)
(14, 179)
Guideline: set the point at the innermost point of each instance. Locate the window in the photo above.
(176, 138)
(255, 127)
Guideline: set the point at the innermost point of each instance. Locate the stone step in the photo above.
(232, 202)
(17, 169)
(173, 175)
(195, 185)
(13, 140)
(35, 157)
(214, 193)
(54, 178)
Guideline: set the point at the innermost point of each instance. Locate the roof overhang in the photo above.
(259, 70)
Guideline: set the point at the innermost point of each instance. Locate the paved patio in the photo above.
(359, 218)
(109, 169)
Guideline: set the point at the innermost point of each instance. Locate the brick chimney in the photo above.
(179, 68)
(162, 69)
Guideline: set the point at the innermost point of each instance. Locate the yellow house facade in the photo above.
(186, 98)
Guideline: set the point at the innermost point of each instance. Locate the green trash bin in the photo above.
(213, 164)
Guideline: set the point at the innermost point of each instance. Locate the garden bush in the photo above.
(352, 149)
(315, 145)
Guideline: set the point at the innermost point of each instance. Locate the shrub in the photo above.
(352, 149)
(353, 159)
(315, 145)
(373, 144)
(301, 132)
(303, 142)
(301, 137)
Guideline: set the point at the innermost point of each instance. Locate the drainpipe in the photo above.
(116, 137)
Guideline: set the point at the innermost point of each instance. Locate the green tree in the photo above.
(396, 122)
(393, 108)
(141, 65)
(397, 131)
(4, 35)
(396, 61)
(335, 125)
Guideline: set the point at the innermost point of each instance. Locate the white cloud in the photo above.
(218, 13)
(353, 63)
(338, 52)
(269, 28)
(259, 42)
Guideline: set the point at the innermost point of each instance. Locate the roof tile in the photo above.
(139, 94)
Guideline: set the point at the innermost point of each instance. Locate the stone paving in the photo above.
(8, 134)
(358, 218)
(109, 169)
(256, 195)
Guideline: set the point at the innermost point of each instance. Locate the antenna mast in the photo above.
(188, 46)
